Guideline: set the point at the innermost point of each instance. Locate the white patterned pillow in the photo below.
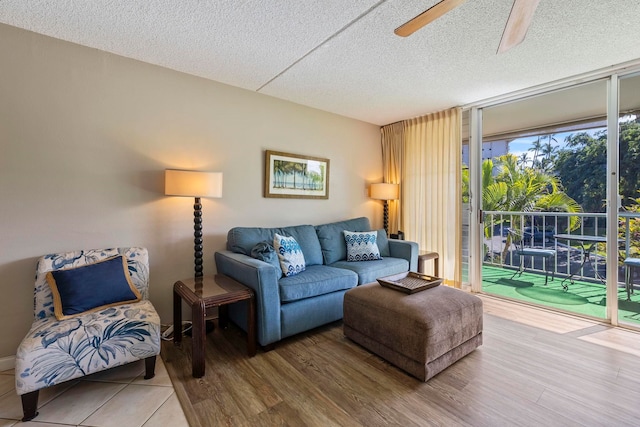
(290, 255)
(362, 245)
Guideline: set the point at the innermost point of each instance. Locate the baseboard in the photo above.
(7, 363)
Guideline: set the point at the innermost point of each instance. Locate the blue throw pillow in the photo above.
(361, 245)
(264, 251)
(91, 287)
(290, 255)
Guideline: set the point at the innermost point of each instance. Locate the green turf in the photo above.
(582, 298)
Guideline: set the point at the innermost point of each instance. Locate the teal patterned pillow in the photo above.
(362, 245)
(290, 255)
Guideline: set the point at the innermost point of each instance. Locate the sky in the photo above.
(522, 145)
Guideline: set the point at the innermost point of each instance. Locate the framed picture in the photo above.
(295, 176)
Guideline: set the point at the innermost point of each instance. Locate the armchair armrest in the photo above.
(405, 249)
(261, 277)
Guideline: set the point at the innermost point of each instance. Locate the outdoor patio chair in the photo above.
(629, 265)
(523, 251)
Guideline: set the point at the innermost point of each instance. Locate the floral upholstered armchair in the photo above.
(91, 313)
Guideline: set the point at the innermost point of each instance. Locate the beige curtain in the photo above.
(431, 201)
(392, 158)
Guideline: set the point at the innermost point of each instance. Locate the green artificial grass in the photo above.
(583, 298)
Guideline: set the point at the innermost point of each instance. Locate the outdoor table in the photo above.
(588, 244)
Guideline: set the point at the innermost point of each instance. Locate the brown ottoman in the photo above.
(422, 333)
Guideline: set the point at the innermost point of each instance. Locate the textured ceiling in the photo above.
(342, 56)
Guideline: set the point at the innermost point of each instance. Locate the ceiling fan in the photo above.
(514, 32)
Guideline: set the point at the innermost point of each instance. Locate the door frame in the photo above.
(612, 202)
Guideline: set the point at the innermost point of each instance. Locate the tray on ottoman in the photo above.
(409, 282)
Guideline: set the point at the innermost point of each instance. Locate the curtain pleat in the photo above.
(431, 193)
(392, 159)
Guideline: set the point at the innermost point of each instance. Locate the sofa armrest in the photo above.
(406, 250)
(261, 277)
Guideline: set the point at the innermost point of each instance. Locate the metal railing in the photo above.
(539, 228)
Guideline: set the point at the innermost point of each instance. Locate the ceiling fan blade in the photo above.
(429, 15)
(517, 24)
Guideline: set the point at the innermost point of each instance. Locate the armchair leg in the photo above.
(29, 405)
(150, 367)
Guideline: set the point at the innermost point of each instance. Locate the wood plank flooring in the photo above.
(535, 368)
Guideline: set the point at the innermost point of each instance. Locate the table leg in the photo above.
(585, 257)
(198, 334)
(426, 256)
(177, 318)
(251, 327)
(594, 267)
(223, 316)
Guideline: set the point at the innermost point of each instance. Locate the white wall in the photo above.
(86, 135)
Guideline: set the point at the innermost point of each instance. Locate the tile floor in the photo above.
(118, 397)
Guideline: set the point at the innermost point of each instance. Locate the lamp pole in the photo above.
(385, 191)
(385, 216)
(197, 237)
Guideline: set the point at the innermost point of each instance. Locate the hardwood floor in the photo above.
(535, 368)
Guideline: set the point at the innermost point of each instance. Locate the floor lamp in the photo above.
(385, 191)
(194, 184)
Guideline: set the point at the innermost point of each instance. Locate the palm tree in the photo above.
(300, 170)
(536, 146)
(548, 153)
(523, 159)
(278, 173)
(516, 188)
(507, 186)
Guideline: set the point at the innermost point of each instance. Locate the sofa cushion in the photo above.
(242, 239)
(331, 238)
(369, 271)
(290, 254)
(316, 280)
(383, 243)
(264, 251)
(61, 350)
(361, 245)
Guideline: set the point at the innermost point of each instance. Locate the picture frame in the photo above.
(295, 176)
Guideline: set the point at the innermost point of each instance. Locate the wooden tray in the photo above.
(409, 282)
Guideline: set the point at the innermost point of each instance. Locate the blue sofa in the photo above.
(289, 305)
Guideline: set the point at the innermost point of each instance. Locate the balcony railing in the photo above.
(539, 229)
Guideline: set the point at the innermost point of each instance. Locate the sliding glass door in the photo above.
(544, 186)
(628, 288)
(558, 173)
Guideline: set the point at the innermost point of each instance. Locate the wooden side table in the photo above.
(203, 293)
(425, 256)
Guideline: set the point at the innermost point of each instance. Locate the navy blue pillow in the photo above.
(264, 251)
(91, 287)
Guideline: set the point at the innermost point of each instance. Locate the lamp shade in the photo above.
(192, 183)
(384, 191)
